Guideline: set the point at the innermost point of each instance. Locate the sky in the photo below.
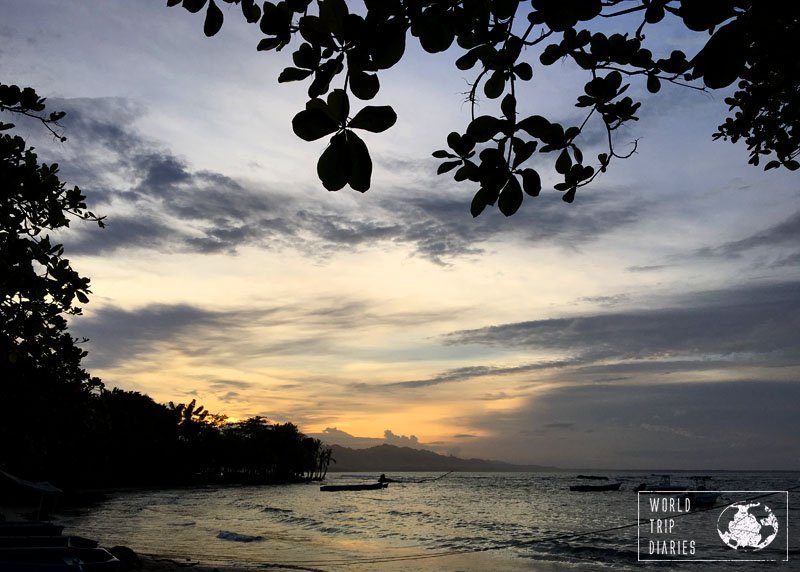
(653, 323)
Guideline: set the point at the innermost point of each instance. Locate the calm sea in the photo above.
(514, 521)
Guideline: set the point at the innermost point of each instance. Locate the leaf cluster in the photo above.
(502, 41)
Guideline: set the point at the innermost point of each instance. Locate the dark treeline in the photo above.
(57, 422)
(124, 438)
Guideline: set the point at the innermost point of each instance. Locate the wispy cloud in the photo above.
(156, 200)
(757, 320)
(775, 240)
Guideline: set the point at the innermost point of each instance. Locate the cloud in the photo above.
(122, 335)
(774, 240)
(466, 373)
(154, 199)
(737, 425)
(558, 425)
(335, 436)
(401, 440)
(226, 336)
(760, 321)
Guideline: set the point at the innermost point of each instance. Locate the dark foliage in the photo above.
(44, 391)
(749, 41)
(58, 422)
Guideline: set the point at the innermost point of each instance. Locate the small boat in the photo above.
(360, 487)
(595, 488)
(664, 485)
(701, 497)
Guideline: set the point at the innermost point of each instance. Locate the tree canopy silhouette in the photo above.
(751, 42)
(44, 389)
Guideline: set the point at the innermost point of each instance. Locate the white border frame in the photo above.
(639, 520)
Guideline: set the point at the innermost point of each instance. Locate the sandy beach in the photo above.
(474, 562)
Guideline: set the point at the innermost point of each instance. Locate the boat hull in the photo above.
(361, 487)
(595, 488)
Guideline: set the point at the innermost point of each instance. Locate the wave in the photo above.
(236, 537)
(276, 510)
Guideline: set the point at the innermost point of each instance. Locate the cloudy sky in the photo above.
(653, 323)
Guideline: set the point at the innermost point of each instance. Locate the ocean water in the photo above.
(506, 521)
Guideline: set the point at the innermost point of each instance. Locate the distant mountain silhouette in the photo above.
(386, 458)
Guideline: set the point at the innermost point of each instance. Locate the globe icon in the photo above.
(747, 526)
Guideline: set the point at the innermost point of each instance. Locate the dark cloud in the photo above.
(558, 425)
(607, 300)
(155, 200)
(774, 240)
(744, 424)
(466, 373)
(647, 268)
(123, 335)
(219, 384)
(759, 320)
(119, 335)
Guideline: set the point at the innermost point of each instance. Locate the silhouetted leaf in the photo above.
(509, 106)
(389, 44)
(564, 162)
(504, 9)
(702, 15)
(311, 124)
(194, 6)
(480, 202)
(173, 2)
(523, 71)
(510, 198)
(442, 154)
(374, 118)
(468, 60)
(213, 21)
(531, 182)
(364, 85)
(723, 58)
(315, 31)
(569, 196)
(654, 13)
(251, 11)
(535, 125)
(333, 166)
(360, 163)
(447, 166)
(339, 105)
(468, 171)
(494, 86)
(268, 44)
(653, 83)
(435, 30)
(293, 74)
(484, 128)
(523, 152)
(333, 14)
(306, 56)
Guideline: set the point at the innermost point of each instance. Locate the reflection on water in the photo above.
(505, 513)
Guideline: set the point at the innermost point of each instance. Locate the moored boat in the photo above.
(594, 488)
(358, 487)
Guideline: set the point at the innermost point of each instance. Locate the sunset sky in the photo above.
(653, 323)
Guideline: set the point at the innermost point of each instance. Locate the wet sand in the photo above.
(456, 562)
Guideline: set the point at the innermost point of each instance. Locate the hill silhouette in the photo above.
(393, 458)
